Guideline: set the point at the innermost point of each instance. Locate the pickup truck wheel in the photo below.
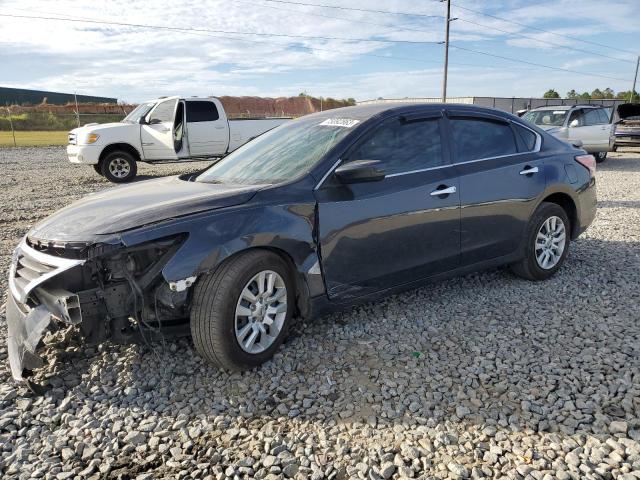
(98, 168)
(240, 313)
(119, 167)
(601, 157)
(547, 244)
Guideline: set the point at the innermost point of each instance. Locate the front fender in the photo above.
(215, 236)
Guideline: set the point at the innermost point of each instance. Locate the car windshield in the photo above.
(284, 153)
(546, 118)
(137, 113)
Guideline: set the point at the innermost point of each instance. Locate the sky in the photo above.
(204, 47)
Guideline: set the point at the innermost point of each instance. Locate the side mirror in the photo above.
(154, 121)
(359, 171)
(574, 123)
(577, 143)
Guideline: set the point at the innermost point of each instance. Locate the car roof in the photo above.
(364, 112)
(566, 107)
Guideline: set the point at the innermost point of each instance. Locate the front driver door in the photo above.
(391, 232)
(156, 134)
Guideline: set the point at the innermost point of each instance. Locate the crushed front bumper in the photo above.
(31, 307)
(25, 330)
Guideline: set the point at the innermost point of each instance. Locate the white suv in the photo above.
(586, 125)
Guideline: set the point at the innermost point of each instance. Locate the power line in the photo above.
(208, 32)
(368, 10)
(410, 14)
(350, 20)
(214, 34)
(479, 52)
(558, 45)
(204, 30)
(541, 29)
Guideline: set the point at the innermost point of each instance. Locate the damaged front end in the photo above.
(107, 290)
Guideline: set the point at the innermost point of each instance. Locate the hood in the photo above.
(126, 207)
(98, 127)
(626, 110)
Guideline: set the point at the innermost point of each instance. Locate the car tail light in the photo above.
(589, 162)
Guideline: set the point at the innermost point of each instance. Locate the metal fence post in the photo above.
(13, 133)
(77, 111)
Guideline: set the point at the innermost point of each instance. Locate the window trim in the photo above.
(411, 117)
(496, 118)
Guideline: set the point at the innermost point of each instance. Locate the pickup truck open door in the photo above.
(158, 132)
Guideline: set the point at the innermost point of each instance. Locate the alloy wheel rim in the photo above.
(260, 312)
(119, 167)
(550, 242)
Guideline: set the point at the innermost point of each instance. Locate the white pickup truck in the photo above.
(170, 129)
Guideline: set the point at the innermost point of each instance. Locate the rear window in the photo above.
(201, 111)
(475, 138)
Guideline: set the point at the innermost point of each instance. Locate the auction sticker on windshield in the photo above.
(340, 122)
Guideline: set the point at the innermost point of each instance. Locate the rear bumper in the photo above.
(632, 140)
(85, 154)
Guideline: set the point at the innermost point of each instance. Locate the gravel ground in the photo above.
(482, 376)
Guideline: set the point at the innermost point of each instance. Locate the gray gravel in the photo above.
(481, 376)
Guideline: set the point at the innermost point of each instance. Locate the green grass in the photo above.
(32, 139)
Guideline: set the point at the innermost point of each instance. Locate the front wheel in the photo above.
(98, 168)
(547, 245)
(601, 157)
(241, 312)
(119, 167)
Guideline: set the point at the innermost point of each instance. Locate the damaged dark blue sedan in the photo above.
(326, 211)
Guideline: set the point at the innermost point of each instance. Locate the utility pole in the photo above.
(635, 78)
(446, 52)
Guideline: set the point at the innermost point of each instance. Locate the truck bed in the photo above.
(241, 130)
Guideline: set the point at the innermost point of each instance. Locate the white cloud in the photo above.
(135, 63)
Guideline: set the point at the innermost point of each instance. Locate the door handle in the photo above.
(529, 170)
(165, 129)
(443, 191)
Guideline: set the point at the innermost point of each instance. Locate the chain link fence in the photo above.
(45, 127)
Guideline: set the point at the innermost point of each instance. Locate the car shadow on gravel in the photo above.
(487, 349)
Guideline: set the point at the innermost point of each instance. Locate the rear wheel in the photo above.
(119, 167)
(601, 157)
(547, 245)
(242, 311)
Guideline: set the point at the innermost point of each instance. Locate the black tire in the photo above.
(528, 267)
(98, 168)
(614, 148)
(601, 157)
(213, 309)
(125, 160)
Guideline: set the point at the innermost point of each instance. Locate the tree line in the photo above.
(597, 94)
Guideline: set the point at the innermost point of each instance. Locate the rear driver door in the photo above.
(501, 178)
